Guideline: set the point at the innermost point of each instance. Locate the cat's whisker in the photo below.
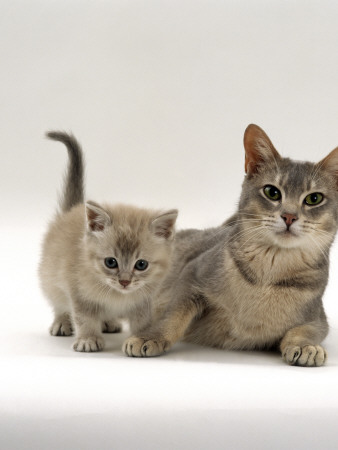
(245, 233)
(316, 243)
(242, 211)
(323, 240)
(260, 232)
(244, 221)
(242, 233)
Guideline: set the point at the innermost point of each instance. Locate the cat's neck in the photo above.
(271, 263)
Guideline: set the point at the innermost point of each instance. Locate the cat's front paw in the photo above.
(307, 356)
(88, 344)
(138, 346)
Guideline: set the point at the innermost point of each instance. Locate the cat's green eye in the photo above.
(111, 263)
(141, 264)
(314, 199)
(272, 192)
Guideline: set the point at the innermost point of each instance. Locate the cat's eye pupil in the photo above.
(141, 264)
(314, 199)
(272, 192)
(111, 263)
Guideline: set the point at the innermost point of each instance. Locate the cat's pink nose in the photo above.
(289, 219)
(124, 282)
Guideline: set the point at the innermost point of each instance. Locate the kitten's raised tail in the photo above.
(73, 190)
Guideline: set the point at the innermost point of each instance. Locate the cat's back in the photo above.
(191, 246)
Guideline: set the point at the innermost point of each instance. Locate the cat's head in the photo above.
(284, 202)
(129, 248)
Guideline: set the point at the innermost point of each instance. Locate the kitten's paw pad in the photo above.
(135, 346)
(111, 326)
(89, 344)
(61, 328)
(307, 356)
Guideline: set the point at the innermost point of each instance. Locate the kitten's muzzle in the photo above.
(124, 283)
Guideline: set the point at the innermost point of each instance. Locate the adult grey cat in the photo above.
(100, 263)
(257, 281)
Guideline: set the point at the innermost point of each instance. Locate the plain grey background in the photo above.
(159, 93)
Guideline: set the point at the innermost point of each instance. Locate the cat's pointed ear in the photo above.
(258, 149)
(164, 225)
(97, 218)
(330, 164)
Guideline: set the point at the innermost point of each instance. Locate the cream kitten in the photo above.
(256, 281)
(101, 262)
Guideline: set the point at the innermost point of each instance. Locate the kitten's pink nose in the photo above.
(289, 219)
(124, 282)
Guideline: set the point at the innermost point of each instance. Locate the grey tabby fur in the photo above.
(81, 240)
(257, 281)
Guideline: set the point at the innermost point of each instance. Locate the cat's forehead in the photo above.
(293, 177)
(296, 176)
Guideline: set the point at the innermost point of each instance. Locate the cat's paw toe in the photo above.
(88, 344)
(132, 346)
(111, 326)
(136, 346)
(61, 328)
(312, 356)
(307, 356)
(154, 347)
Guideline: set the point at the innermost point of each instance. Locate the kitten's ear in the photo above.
(258, 149)
(330, 164)
(163, 225)
(97, 217)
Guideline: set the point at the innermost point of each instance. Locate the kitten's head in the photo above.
(288, 203)
(129, 248)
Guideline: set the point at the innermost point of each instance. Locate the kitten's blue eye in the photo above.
(272, 192)
(314, 199)
(111, 263)
(141, 264)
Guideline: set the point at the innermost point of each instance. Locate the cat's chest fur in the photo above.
(265, 293)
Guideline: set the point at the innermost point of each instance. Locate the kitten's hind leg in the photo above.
(111, 326)
(62, 325)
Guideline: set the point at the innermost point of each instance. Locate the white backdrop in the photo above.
(159, 93)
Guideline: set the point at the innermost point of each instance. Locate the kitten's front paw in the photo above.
(307, 356)
(61, 327)
(88, 344)
(137, 346)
